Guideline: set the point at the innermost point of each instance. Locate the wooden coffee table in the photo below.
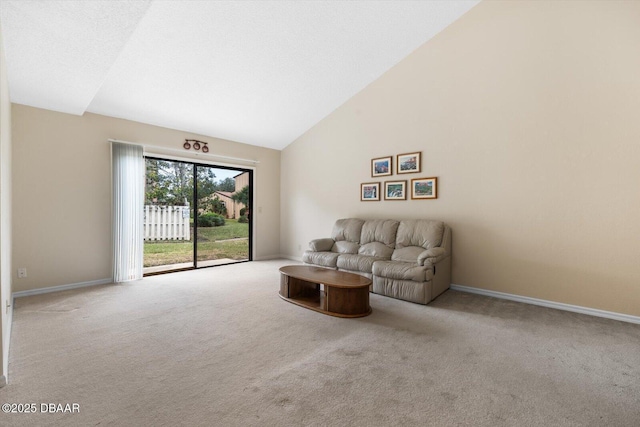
(342, 294)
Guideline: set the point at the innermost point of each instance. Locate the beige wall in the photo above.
(228, 203)
(5, 215)
(242, 181)
(528, 114)
(62, 190)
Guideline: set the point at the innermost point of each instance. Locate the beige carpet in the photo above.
(218, 347)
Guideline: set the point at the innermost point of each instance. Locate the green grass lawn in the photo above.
(209, 246)
(231, 230)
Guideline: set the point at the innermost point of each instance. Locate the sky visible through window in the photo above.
(221, 174)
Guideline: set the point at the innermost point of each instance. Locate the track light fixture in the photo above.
(197, 145)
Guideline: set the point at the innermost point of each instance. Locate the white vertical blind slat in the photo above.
(128, 174)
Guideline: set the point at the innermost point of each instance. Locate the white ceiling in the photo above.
(258, 72)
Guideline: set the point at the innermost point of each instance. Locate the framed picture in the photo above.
(369, 191)
(381, 166)
(395, 190)
(424, 188)
(408, 163)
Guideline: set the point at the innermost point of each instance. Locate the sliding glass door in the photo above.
(196, 215)
(223, 225)
(168, 209)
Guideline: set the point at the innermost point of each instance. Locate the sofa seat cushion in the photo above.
(399, 270)
(361, 263)
(323, 259)
(408, 254)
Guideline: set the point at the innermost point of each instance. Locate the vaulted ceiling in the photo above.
(258, 72)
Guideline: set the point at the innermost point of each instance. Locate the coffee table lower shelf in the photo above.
(330, 298)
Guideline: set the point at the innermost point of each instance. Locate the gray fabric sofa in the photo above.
(408, 260)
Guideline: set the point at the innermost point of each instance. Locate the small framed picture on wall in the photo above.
(424, 188)
(370, 191)
(408, 163)
(381, 166)
(395, 190)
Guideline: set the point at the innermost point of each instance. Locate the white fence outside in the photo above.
(166, 223)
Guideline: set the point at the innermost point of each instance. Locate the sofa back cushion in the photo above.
(378, 238)
(348, 229)
(379, 230)
(425, 233)
(346, 233)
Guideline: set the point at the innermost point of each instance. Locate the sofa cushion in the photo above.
(361, 263)
(399, 270)
(376, 249)
(348, 229)
(320, 245)
(408, 254)
(345, 247)
(379, 230)
(324, 259)
(422, 232)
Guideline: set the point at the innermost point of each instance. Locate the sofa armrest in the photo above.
(432, 256)
(321, 245)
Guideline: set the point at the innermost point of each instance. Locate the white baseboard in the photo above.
(39, 291)
(550, 304)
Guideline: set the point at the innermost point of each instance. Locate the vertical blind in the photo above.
(128, 215)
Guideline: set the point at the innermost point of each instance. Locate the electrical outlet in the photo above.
(22, 273)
